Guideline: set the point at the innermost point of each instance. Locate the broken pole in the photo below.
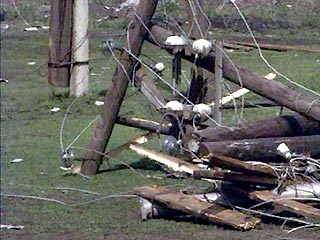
(116, 92)
(59, 63)
(79, 81)
(285, 126)
(262, 149)
(273, 90)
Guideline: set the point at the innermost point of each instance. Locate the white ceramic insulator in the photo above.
(201, 47)
(284, 151)
(176, 41)
(202, 109)
(174, 106)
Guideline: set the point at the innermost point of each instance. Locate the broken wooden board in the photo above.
(285, 203)
(190, 204)
(138, 140)
(236, 177)
(240, 166)
(174, 163)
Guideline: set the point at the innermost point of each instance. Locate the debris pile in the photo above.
(269, 162)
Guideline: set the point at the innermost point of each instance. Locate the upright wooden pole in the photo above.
(218, 82)
(80, 46)
(60, 39)
(176, 73)
(117, 90)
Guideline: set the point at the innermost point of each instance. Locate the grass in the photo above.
(30, 131)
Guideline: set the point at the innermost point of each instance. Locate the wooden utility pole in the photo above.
(80, 49)
(117, 90)
(262, 149)
(59, 63)
(285, 126)
(273, 90)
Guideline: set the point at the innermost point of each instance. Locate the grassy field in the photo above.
(29, 130)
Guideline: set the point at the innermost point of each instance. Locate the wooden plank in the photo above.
(236, 177)
(262, 149)
(190, 204)
(172, 162)
(138, 140)
(273, 90)
(60, 39)
(287, 204)
(240, 166)
(285, 126)
(116, 92)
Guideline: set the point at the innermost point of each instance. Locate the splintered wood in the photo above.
(190, 204)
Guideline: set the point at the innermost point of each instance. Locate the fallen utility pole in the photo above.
(285, 126)
(273, 90)
(116, 92)
(262, 149)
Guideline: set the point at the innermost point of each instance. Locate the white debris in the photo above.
(99, 103)
(174, 106)
(11, 227)
(45, 27)
(284, 151)
(31, 63)
(176, 41)
(17, 160)
(4, 26)
(55, 109)
(270, 76)
(31, 29)
(159, 66)
(201, 47)
(307, 190)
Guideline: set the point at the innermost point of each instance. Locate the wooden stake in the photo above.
(117, 90)
(59, 63)
(80, 45)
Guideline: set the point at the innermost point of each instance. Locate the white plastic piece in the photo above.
(31, 29)
(99, 103)
(159, 66)
(270, 76)
(174, 106)
(284, 151)
(55, 109)
(17, 160)
(176, 41)
(201, 47)
(45, 27)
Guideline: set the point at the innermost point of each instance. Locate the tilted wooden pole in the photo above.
(218, 82)
(59, 63)
(117, 90)
(79, 81)
(273, 90)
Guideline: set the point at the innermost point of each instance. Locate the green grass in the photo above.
(30, 131)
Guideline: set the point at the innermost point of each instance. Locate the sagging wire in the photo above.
(206, 17)
(262, 56)
(19, 14)
(195, 20)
